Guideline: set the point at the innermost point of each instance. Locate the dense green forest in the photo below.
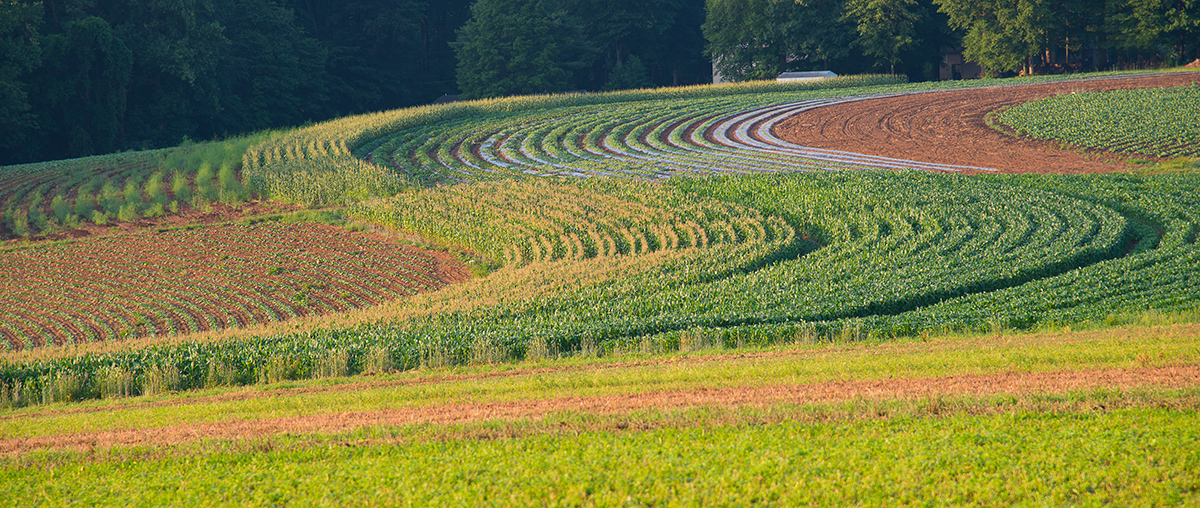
(81, 77)
(757, 39)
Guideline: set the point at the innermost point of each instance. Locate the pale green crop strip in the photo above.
(55, 196)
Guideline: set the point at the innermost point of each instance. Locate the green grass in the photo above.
(1129, 446)
(1127, 457)
(1179, 165)
(592, 377)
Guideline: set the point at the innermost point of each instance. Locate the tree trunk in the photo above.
(1182, 59)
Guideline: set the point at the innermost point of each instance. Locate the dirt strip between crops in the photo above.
(825, 392)
(949, 127)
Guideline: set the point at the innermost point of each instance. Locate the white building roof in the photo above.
(807, 75)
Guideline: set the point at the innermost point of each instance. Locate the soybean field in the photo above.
(1161, 122)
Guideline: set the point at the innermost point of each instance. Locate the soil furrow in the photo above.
(950, 128)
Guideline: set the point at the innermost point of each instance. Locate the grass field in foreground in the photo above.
(1092, 417)
(1135, 457)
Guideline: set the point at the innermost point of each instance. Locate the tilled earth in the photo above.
(950, 127)
(159, 283)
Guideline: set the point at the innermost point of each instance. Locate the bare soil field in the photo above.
(950, 127)
(152, 283)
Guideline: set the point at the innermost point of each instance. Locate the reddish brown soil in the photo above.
(949, 128)
(147, 282)
(837, 391)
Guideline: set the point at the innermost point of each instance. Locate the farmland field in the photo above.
(686, 274)
(1079, 417)
(79, 197)
(157, 283)
(957, 126)
(1159, 121)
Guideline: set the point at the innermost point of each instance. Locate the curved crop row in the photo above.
(517, 223)
(892, 244)
(643, 134)
(640, 141)
(1159, 276)
(192, 280)
(899, 253)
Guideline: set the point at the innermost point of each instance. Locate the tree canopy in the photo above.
(531, 46)
(81, 77)
(512, 47)
(886, 27)
(757, 39)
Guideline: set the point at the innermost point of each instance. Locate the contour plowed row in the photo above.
(153, 284)
(643, 141)
(536, 221)
(950, 127)
(922, 130)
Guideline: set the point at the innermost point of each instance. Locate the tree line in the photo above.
(81, 77)
(756, 39)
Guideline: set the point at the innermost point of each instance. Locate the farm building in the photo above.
(805, 76)
(954, 66)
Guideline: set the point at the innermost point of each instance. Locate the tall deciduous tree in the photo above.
(83, 89)
(743, 38)
(372, 47)
(758, 39)
(1002, 35)
(886, 28)
(177, 46)
(511, 47)
(272, 72)
(678, 57)
(19, 54)
(437, 66)
(1143, 24)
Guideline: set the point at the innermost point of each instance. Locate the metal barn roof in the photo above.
(807, 75)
